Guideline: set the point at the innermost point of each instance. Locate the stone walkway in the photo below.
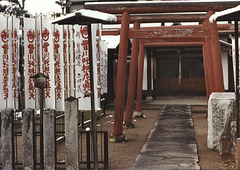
(171, 144)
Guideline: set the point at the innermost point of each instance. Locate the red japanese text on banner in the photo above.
(15, 60)
(66, 60)
(71, 61)
(10, 100)
(59, 67)
(48, 61)
(29, 62)
(103, 66)
(3, 62)
(82, 67)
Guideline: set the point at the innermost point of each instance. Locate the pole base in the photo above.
(129, 125)
(117, 139)
(149, 98)
(138, 114)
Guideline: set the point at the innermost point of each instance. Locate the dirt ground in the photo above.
(123, 155)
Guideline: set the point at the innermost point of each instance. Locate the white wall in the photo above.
(145, 71)
(224, 55)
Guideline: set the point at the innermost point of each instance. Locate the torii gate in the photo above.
(206, 34)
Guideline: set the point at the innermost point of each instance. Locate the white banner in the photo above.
(71, 60)
(59, 68)
(82, 67)
(66, 60)
(10, 64)
(3, 62)
(29, 62)
(15, 60)
(48, 61)
(96, 64)
(103, 66)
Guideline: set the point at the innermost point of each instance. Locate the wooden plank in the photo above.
(151, 40)
(169, 33)
(153, 18)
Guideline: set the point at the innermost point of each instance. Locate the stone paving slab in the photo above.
(171, 143)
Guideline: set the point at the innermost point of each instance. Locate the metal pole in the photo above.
(237, 74)
(94, 134)
(41, 128)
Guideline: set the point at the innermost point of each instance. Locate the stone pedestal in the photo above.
(138, 114)
(117, 139)
(222, 122)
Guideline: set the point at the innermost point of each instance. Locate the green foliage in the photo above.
(12, 7)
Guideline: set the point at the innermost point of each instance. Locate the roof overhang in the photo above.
(85, 17)
(232, 14)
(161, 6)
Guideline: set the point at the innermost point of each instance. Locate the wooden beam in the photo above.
(153, 18)
(221, 27)
(150, 40)
(169, 33)
(172, 44)
(160, 6)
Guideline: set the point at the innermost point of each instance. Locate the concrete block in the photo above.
(49, 139)
(28, 139)
(221, 118)
(71, 133)
(7, 137)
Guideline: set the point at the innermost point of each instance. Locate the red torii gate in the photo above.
(207, 34)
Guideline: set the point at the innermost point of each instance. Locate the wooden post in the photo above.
(132, 80)
(140, 80)
(71, 133)
(216, 55)
(208, 63)
(121, 77)
(28, 139)
(7, 137)
(49, 136)
(205, 70)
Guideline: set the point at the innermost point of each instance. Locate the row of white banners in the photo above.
(60, 52)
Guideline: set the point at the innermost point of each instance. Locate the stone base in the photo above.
(138, 114)
(117, 139)
(131, 125)
(149, 98)
(221, 122)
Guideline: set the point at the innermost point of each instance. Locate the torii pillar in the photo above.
(132, 80)
(208, 63)
(216, 54)
(140, 81)
(117, 135)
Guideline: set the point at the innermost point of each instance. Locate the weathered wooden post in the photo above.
(216, 55)
(71, 133)
(7, 137)
(28, 139)
(117, 135)
(132, 80)
(49, 136)
(140, 81)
